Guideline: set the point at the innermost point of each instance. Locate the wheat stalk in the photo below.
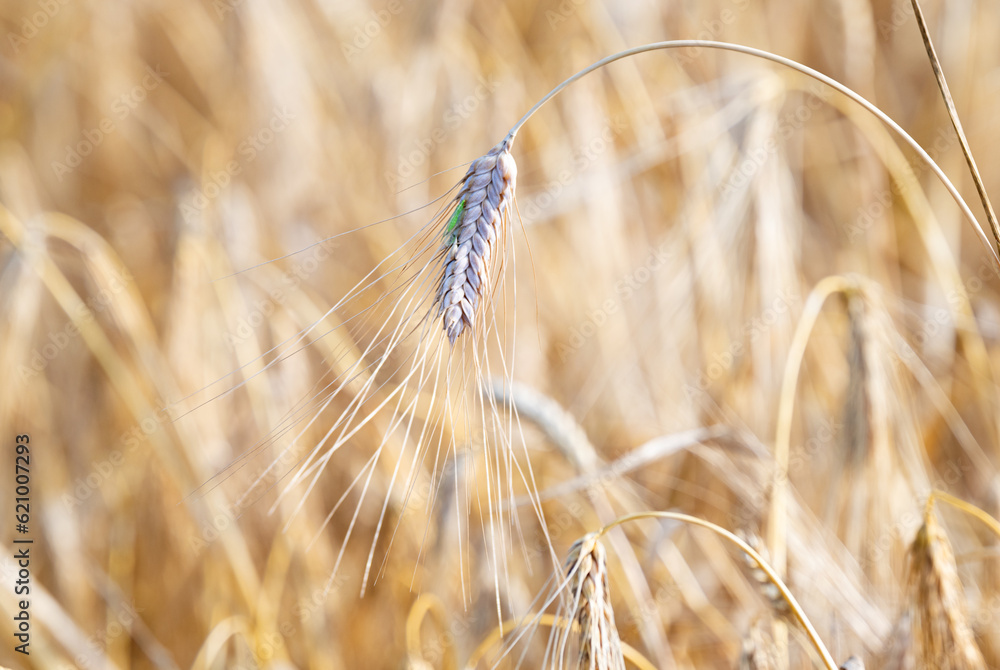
(478, 222)
(956, 123)
(799, 67)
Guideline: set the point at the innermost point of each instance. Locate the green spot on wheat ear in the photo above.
(453, 221)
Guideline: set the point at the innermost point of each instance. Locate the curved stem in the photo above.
(787, 62)
(793, 604)
(963, 506)
(427, 603)
(783, 430)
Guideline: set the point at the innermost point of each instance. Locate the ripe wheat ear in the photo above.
(473, 231)
(587, 604)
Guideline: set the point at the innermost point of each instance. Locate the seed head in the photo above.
(476, 229)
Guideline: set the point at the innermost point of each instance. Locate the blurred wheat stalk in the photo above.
(681, 212)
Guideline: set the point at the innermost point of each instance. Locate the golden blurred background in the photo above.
(167, 169)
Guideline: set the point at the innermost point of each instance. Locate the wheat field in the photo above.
(724, 397)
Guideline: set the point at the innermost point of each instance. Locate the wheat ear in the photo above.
(942, 633)
(587, 565)
(476, 227)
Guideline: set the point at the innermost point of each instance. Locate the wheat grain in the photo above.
(853, 663)
(767, 588)
(482, 207)
(942, 636)
(587, 566)
(758, 652)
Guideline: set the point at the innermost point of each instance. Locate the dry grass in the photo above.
(736, 295)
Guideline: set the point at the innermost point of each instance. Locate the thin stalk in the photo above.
(777, 526)
(427, 603)
(781, 60)
(963, 506)
(793, 604)
(949, 102)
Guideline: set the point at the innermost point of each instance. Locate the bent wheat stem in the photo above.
(787, 62)
(963, 506)
(793, 604)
